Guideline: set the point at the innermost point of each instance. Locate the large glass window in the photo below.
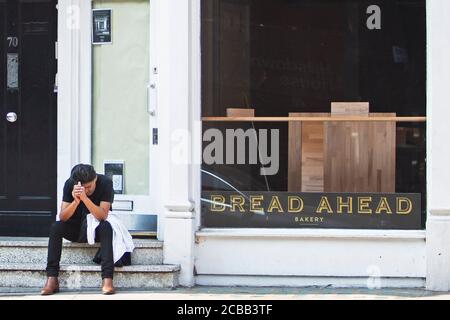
(314, 113)
(120, 79)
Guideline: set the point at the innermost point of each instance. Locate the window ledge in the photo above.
(440, 212)
(312, 233)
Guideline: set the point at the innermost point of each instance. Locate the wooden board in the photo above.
(360, 156)
(349, 108)
(240, 112)
(295, 156)
(315, 119)
(306, 150)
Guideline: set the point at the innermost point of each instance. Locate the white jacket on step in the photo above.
(121, 241)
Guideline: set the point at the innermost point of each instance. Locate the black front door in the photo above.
(27, 117)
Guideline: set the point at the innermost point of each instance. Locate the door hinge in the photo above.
(155, 136)
(55, 85)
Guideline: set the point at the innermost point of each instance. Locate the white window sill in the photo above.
(311, 233)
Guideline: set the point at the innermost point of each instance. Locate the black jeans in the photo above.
(77, 233)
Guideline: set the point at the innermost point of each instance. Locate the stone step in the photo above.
(74, 277)
(34, 251)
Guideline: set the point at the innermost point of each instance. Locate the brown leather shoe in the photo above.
(107, 287)
(51, 286)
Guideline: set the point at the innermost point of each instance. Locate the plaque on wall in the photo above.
(114, 169)
(12, 70)
(101, 26)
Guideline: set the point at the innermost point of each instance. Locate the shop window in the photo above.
(314, 114)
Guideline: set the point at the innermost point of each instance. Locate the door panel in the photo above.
(28, 145)
(121, 121)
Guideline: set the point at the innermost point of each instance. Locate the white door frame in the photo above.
(74, 52)
(74, 87)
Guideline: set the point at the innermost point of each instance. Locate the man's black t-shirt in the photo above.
(103, 192)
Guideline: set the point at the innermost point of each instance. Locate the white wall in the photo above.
(308, 253)
(438, 69)
(174, 106)
(438, 150)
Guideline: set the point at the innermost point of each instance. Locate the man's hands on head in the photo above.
(100, 212)
(79, 193)
(68, 208)
(76, 192)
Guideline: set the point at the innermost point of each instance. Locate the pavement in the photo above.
(230, 293)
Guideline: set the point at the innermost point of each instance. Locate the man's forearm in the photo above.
(67, 212)
(98, 212)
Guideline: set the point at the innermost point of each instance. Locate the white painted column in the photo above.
(74, 87)
(438, 151)
(174, 103)
(438, 250)
(85, 81)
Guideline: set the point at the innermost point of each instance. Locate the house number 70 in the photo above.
(12, 42)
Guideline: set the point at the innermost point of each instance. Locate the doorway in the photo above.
(28, 153)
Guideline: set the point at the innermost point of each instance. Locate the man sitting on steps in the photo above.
(84, 192)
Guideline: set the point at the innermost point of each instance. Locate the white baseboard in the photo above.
(289, 281)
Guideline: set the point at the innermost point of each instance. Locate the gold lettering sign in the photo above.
(363, 205)
(275, 204)
(291, 207)
(383, 205)
(324, 205)
(295, 204)
(217, 203)
(401, 201)
(328, 210)
(255, 203)
(237, 201)
(341, 204)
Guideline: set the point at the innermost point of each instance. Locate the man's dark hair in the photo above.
(84, 173)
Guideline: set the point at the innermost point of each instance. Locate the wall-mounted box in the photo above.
(101, 26)
(114, 169)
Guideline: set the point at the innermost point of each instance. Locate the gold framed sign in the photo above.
(253, 209)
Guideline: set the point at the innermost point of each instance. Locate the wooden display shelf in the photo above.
(348, 150)
(315, 119)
